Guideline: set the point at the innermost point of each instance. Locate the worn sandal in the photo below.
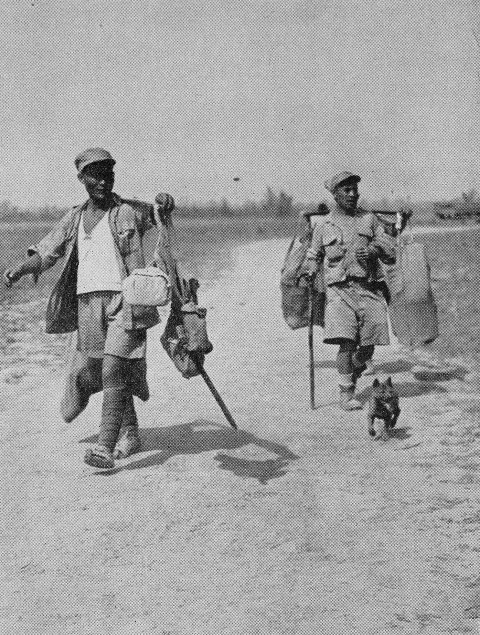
(99, 456)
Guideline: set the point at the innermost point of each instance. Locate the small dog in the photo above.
(383, 405)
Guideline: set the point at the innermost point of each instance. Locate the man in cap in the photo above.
(348, 244)
(101, 243)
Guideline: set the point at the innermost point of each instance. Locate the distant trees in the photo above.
(272, 204)
(13, 213)
(276, 204)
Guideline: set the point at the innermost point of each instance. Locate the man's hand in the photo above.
(405, 216)
(310, 270)
(8, 278)
(165, 203)
(365, 254)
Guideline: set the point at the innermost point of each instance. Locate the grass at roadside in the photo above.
(455, 266)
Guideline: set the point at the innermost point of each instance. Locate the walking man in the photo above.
(348, 245)
(101, 244)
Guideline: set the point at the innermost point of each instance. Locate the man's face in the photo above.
(98, 179)
(346, 195)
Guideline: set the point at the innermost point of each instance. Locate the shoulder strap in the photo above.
(163, 253)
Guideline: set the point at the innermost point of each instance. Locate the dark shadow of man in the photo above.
(204, 436)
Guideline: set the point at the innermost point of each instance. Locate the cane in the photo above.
(311, 282)
(216, 395)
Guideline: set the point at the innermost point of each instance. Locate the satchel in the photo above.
(294, 286)
(412, 309)
(185, 338)
(147, 287)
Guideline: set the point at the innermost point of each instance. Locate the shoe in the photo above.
(99, 456)
(128, 443)
(347, 399)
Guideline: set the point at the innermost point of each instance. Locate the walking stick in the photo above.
(311, 282)
(216, 394)
(192, 287)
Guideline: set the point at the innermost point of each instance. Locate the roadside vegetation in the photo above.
(277, 205)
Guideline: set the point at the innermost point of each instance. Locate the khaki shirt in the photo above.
(335, 239)
(128, 221)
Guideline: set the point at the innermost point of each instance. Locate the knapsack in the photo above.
(294, 284)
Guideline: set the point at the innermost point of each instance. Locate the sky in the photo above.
(189, 95)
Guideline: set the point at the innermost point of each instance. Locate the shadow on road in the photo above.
(400, 433)
(393, 367)
(205, 436)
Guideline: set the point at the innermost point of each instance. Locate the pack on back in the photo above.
(294, 285)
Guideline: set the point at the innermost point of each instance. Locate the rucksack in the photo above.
(294, 284)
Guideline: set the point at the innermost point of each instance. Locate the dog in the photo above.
(383, 405)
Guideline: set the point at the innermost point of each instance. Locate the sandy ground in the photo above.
(297, 524)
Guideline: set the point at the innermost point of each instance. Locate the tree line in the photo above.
(272, 204)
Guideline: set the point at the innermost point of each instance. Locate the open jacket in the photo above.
(128, 220)
(335, 239)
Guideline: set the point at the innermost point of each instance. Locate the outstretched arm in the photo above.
(32, 265)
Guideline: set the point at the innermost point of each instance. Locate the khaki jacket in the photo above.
(128, 220)
(335, 238)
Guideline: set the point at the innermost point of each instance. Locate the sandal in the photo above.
(99, 456)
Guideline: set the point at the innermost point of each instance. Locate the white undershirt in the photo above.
(98, 268)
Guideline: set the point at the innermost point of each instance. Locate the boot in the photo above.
(347, 398)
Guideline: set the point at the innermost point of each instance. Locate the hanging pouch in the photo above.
(148, 287)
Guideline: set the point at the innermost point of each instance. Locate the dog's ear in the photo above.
(376, 382)
(389, 382)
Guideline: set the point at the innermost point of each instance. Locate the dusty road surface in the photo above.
(298, 524)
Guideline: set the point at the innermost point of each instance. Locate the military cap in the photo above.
(92, 155)
(336, 180)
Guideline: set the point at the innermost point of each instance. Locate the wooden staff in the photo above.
(310, 342)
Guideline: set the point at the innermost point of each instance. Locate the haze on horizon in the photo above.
(188, 95)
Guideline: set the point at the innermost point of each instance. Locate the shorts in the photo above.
(355, 312)
(100, 328)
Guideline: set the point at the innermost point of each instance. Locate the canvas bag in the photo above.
(149, 286)
(295, 287)
(412, 309)
(185, 338)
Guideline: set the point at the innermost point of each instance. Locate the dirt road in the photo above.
(298, 524)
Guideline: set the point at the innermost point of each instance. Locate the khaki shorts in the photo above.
(356, 313)
(100, 329)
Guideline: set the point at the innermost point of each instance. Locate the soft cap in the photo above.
(92, 155)
(336, 180)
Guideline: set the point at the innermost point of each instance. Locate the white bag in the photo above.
(147, 287)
